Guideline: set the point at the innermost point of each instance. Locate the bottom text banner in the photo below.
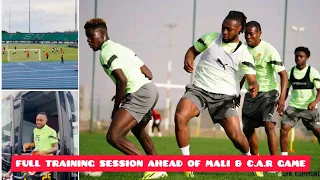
(160, 163)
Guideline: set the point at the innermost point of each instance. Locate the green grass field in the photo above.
(96, 144)
(70, 53)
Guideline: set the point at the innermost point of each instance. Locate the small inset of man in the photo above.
(45, 141)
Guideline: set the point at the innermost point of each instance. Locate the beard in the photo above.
(230, 39)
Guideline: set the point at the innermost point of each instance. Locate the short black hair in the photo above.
(43, 113)
(239, 16)
(303, 49)
(254, 24)
(96, 23)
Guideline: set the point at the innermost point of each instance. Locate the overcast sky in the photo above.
(46, 15)
(140, 25)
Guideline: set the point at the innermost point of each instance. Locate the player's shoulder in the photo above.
(245, 48)
(49, 129)
(213, 35)
(244, 54)
(268, 47)
(313, 69)
(108, 49)
(114, 48)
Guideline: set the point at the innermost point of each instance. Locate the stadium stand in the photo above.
(38, 37)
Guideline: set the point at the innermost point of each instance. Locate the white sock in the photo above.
(284, 153)
(185, 150)
(247, 154)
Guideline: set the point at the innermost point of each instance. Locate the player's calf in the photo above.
(316, 132)
(272, 138)
(144, 139)
(284, 132)
(238, 140)
(252, 137)
(181, 129)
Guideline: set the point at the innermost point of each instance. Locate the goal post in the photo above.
(21, 55)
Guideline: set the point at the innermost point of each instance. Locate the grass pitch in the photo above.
(95, 144)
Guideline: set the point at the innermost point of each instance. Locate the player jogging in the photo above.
(136, 95)
(303, 101)
(260, 111)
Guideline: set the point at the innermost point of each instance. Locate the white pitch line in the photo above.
(39, 71)
(28, 67)
(4, 79)
(49, 66)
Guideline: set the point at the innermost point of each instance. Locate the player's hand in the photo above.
(40, 153)
(26, 146)
(238, 101)
(280, 104)
(254, 89)
(7, 175)
(312, 106)
(188, 65)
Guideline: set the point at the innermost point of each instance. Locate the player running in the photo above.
(224, 61)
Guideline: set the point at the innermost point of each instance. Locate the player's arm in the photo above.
(316, 82)
(190, 56)
(288, 85)
(29, 145)
(284, 91)
(199, 46)
(284, 84)
(278, 67)
(248, 68)
(121, 84)
(53, 149)
(146, 71)
(253, 84)
(314, 103)
(54, 144)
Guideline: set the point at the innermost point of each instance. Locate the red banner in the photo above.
(161, 163)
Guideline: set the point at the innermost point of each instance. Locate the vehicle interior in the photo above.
(31, 103)
(35, 102)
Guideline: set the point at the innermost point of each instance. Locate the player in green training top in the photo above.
(303, 102)
(45, 139)
(136, 95)
(224, 61)
(260, 111)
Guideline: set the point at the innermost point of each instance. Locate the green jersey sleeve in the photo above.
(205, 40)
(315, 78)
(275, 60)
(53, 136)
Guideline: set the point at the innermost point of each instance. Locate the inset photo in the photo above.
(41, 123)
(39, 44)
